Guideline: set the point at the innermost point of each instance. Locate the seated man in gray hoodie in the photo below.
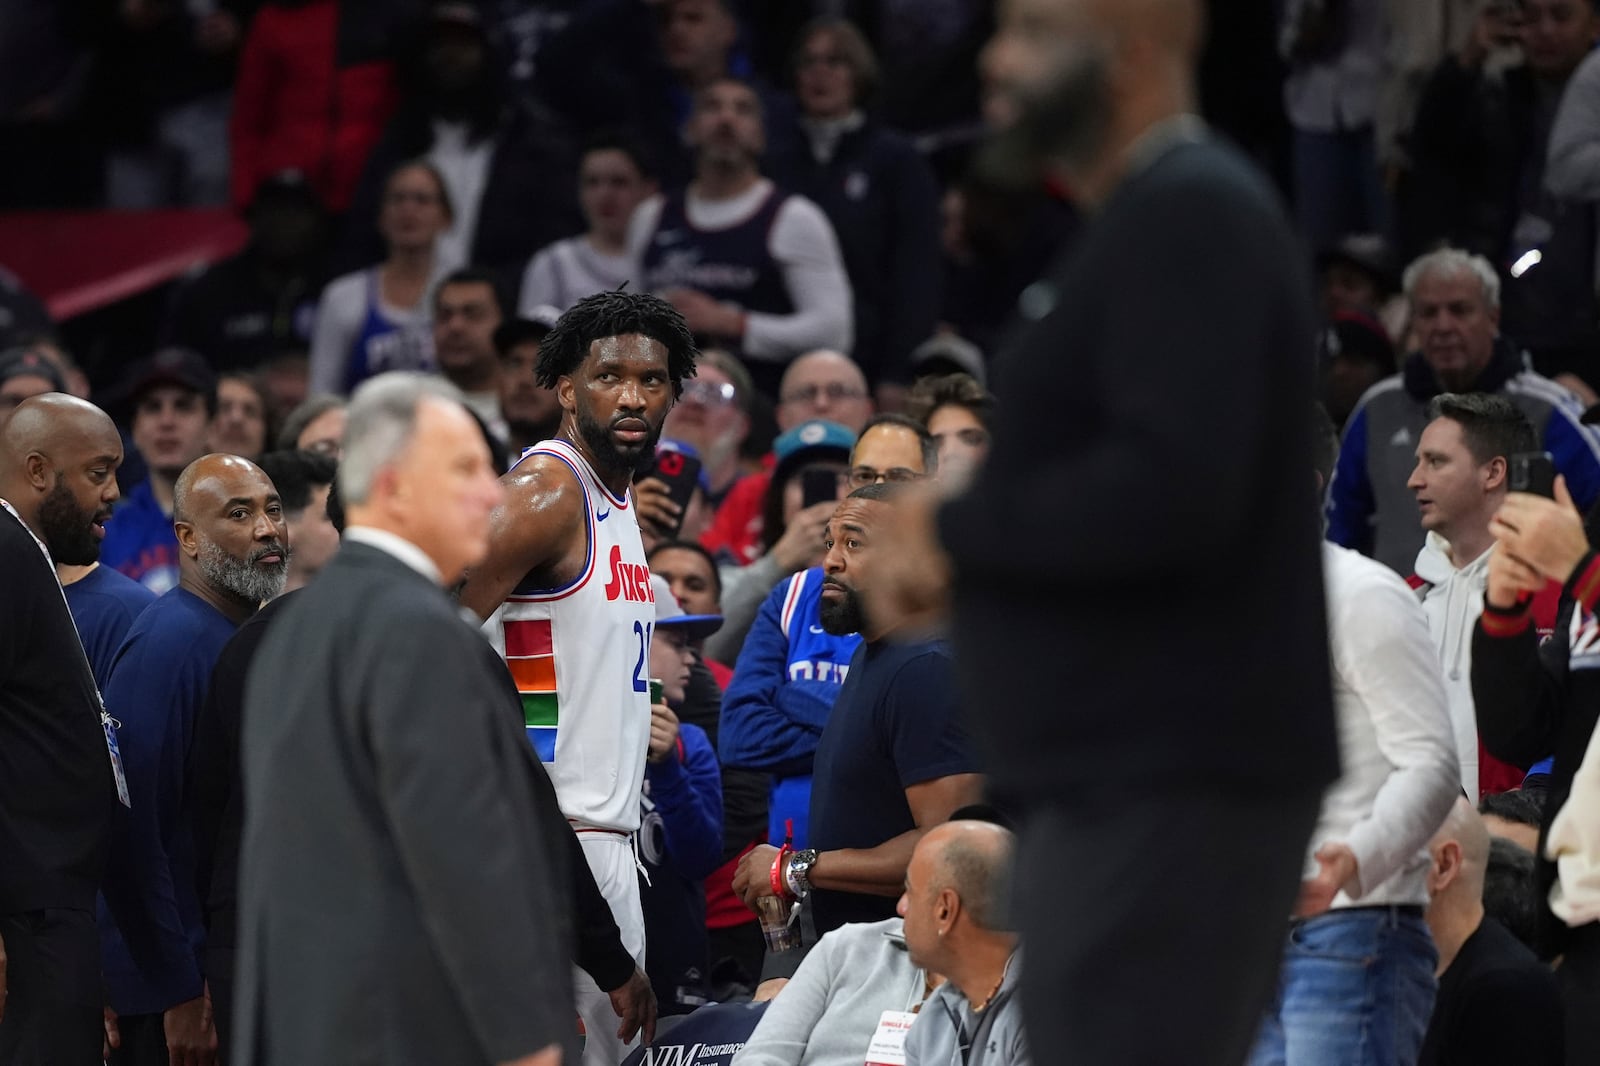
(953, 926)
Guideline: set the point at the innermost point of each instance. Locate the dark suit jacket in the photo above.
(395, 906)
(1140, 577)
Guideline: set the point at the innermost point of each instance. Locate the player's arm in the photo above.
(533, 530)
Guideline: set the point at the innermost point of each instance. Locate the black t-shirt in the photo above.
(1497, 1005)
(56, 787)
(896, 723)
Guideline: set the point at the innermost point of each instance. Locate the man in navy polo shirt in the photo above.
(894, 759)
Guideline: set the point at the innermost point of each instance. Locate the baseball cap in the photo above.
(1366, 252)
(18, 363)
(171, 366)
(947, 353)
(1356, 336)
(285, 186)
(669, 613)
(815, 439)
(535, 325)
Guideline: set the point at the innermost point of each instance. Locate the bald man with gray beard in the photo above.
(234, 555)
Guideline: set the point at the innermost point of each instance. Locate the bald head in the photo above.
(214, 479)
(971, 859)
(53, 424)
(58, 467)
(1464, 827)
(824, 384)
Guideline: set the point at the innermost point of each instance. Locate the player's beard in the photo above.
(68, 530)
(604, 448)
(246, 579)
(1064, 120)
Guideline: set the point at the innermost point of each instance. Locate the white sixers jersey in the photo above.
(580, 656)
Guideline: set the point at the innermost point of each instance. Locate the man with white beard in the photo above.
(233, 555)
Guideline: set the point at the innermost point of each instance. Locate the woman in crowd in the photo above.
(376, 319)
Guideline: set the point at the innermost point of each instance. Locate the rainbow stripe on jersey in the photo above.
(531, 658)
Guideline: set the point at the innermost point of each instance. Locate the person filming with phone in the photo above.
(1536, 696)
(1464, 470)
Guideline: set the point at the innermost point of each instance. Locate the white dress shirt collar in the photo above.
(397, 546)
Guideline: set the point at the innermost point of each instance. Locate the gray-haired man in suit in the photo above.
(395, 906)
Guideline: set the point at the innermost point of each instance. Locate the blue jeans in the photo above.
(1356, 989)
(1338, 189)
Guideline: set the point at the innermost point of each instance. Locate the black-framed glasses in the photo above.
(865, 475)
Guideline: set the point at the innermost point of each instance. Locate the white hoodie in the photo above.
(1453, 599)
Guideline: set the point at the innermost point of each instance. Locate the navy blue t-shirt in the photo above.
(158, 684)
(896, 723)
(104, 604)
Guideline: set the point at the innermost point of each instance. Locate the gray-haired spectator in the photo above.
(954, 910)
(317, 425)
(1455, 305)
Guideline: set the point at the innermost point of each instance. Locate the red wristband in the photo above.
(775, 875)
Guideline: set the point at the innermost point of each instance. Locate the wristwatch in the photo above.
(798, 875)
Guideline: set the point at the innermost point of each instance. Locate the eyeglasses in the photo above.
(710, 393)
(833, 390)
(862, 476)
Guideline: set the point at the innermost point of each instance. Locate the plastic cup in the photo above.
(780, 934)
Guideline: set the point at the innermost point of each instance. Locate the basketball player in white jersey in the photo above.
(566, 596)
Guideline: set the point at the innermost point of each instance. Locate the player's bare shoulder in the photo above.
(540, 528)
(545, 486)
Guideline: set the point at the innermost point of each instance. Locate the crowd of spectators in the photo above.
(434, 186)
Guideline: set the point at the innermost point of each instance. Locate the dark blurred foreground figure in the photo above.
(1165, 960)
(396, 903)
